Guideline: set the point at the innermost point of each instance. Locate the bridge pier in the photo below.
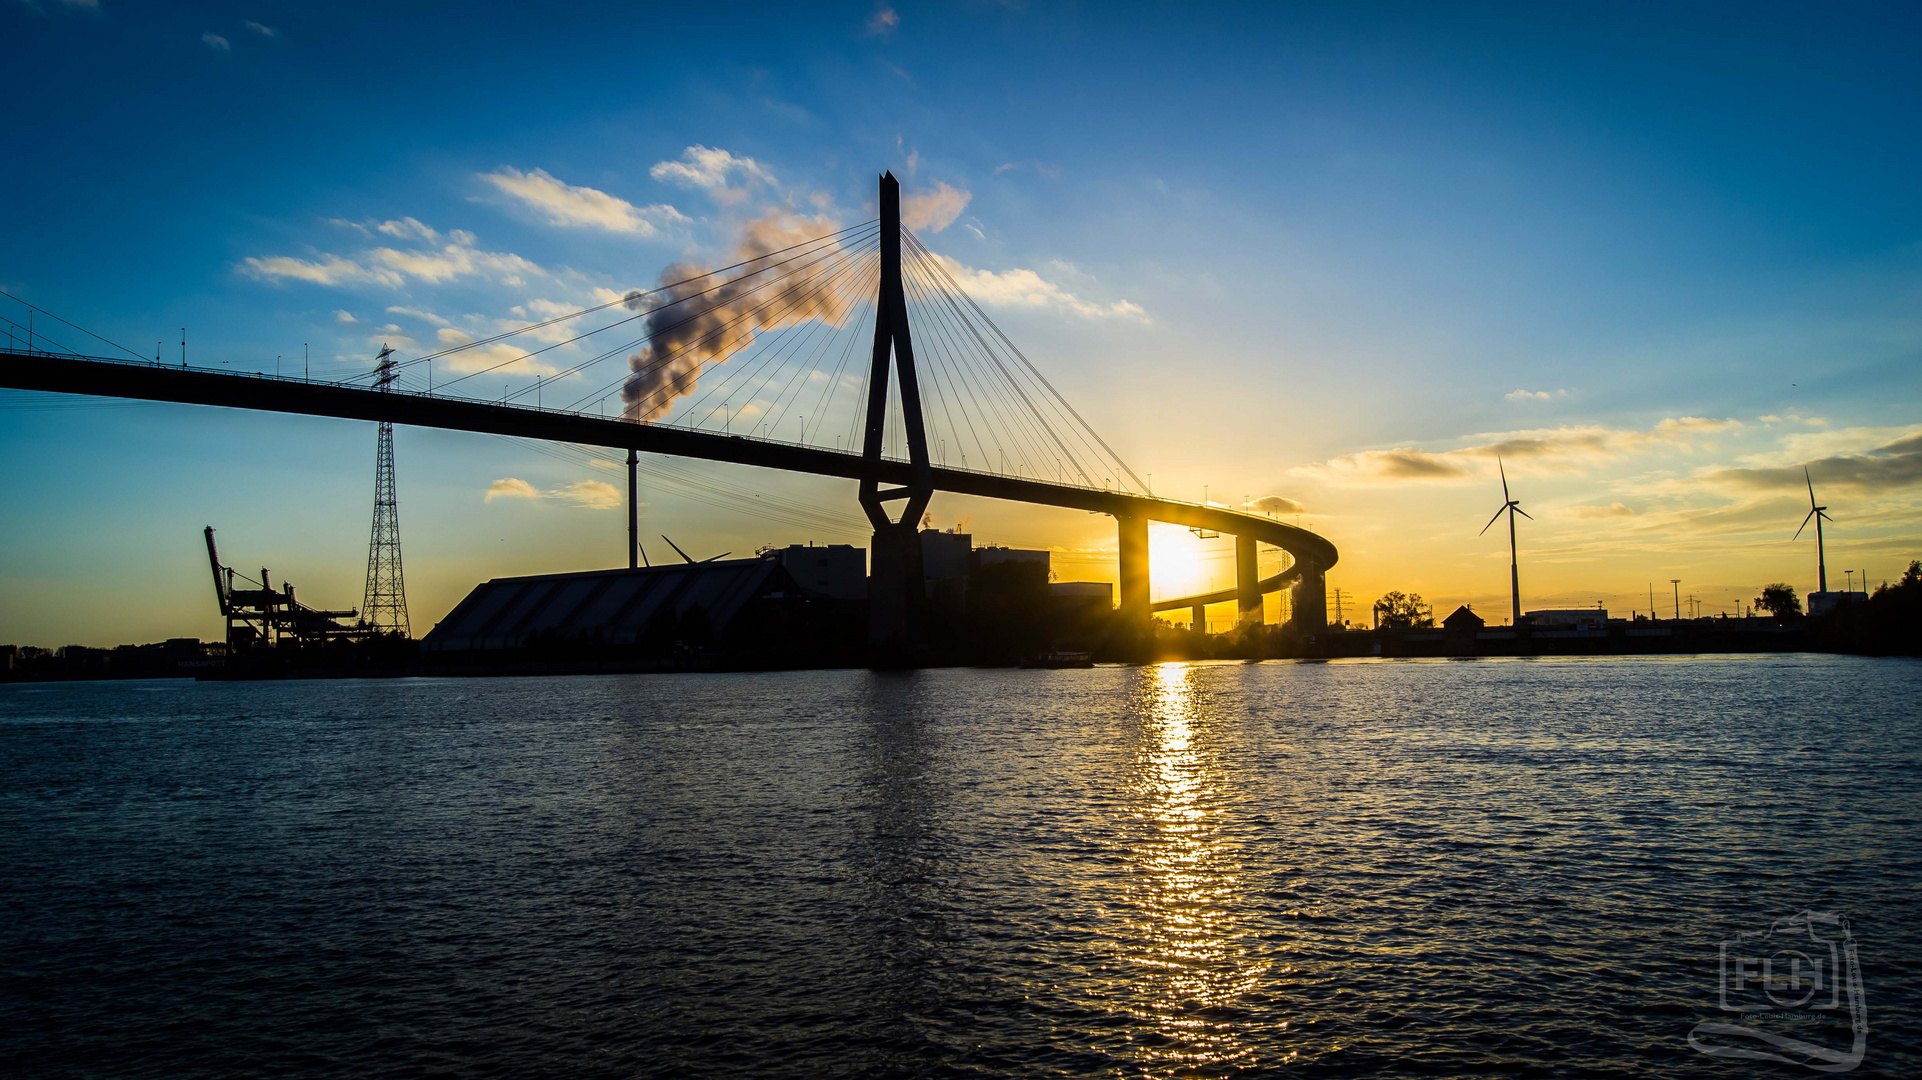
(1310, 599)
(1247, 583)
(1199, 613)
(897, 596)
(897, 592)
(1133, 530)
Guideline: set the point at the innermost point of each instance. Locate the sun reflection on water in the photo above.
(1188, 956)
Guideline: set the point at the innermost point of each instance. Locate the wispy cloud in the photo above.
(263, 31)
(345, 318)
(884, 20)
(325, 269)
(389, 267)
(934, 210)
(1049, 171)
(587, 494)
(1535, 395)
(419, 313)
(1564, 447)
(509, 359)
(1027, 289)
(1591, 513)
(509, 487)
(1894, 464)
(708, 167)
(408, 229)
(216, 42)
(1276, 504)
(574, 206)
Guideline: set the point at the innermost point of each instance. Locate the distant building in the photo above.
(1821, 603)
(835, 571)
(1080, 613)
(1569, 618)
(1096, 593)
(946, 556)
(610, 608)
(1459, 630)
(949, 559)
(995, 556)
(171, 659)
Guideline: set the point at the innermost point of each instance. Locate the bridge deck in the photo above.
(104, 377)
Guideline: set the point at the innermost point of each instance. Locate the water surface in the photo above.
(1343, 869)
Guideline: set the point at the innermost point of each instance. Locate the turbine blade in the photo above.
(1493, 520)
(677, 549)
(1804, 525)
(722, 555)
(1524, 513)
(1504, 471)
(1811, 483)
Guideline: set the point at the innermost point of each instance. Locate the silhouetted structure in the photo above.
(175, 658)
(384, 603)
(1510, 507)
(1460, 629)
(1087, 474)
(1594, 618)
(1887, 623)
(724, 613)
(897, 605)
(833, 571)
(261, 619)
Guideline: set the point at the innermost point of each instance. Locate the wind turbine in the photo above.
(685, 557)
(1817, 513)
(1511, 508)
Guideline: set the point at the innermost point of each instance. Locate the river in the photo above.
(1369, 868)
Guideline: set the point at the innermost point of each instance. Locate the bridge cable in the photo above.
(1025, 451)
(916, 243)
(630, 345)
(1007, 378)
(58, 319)
(668, 356)
(633, 295)
(602, 393)
(728, 348)
(726, 388)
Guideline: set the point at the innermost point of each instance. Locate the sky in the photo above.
(1653, 259)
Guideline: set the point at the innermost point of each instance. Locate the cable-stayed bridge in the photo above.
(856, 354)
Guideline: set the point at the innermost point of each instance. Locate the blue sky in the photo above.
(1342, 254)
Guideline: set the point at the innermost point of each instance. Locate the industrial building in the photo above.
(749, 612)
(835, 571)
(952, 555)
(1821, 603)
(1589, 618)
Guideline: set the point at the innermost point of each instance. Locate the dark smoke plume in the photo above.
(690, 327)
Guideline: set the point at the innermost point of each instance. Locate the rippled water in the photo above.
(1343, 869)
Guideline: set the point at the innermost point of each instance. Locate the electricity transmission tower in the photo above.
(384, 605)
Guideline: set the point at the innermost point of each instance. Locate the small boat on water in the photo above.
(1059, 660)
